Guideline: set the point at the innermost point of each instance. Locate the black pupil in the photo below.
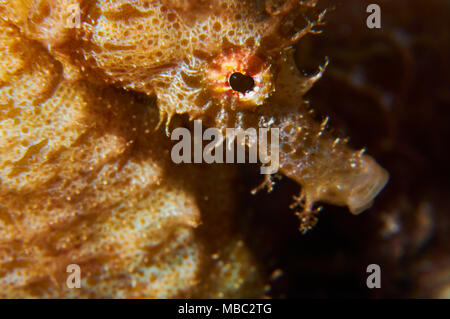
(241, 83)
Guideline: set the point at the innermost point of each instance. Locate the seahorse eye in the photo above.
(241, 83)
(247, 86)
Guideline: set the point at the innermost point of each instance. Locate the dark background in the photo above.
(388, 90)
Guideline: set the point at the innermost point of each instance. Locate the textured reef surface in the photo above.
(86, 113)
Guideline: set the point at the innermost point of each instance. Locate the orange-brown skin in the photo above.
(85, 180)
(169, 48)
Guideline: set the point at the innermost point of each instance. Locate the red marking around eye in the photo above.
(244, 61)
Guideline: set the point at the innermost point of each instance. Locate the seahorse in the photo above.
(228, 63)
